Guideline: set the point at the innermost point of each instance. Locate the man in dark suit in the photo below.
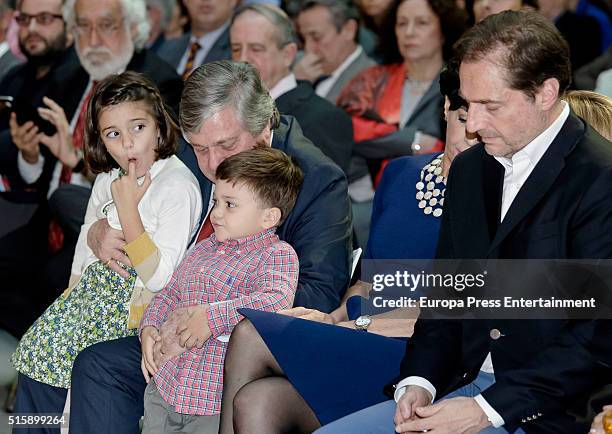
(332, 54)
(537, 187)
(263, 36)
(220, 119)
(208, 39)
(45, 41)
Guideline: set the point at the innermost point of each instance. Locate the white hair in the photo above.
(134, 12)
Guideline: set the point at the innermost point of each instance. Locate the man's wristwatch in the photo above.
(363, 322)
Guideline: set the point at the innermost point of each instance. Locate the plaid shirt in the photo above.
(259, 272)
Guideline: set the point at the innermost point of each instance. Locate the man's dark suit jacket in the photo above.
(544, 369)
(67, 90)
(28, 91)
(318, 228)
(324, 124)
(172, 50)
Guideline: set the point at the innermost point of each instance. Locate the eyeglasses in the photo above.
(43, 18)
(104, 28)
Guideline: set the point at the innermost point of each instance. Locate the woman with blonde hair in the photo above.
(594, 108)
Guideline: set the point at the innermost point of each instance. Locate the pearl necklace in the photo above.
(431, 188)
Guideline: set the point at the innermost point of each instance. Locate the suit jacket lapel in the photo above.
(220, 49)
(290, 101)
(541, 178)
(352, 69)
(493, 182)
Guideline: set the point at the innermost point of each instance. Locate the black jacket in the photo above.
(328, 127)
(545, 370)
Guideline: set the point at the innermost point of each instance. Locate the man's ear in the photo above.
(264, 137)
(349, 30)
(289, 53)
(548, 94)
(271, 217)
(69, 39)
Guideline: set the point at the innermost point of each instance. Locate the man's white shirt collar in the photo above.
(207, 40)
(284, 85)
(325, 86)
(518, 167)
(538, 146)
(4, 47)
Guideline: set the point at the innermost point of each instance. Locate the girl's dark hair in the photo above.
(126, 87)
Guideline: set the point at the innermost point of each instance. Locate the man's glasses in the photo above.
(103, 28)
(43, 18)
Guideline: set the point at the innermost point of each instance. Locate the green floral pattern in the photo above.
(96, 310)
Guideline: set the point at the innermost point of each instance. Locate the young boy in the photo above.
(243, 264)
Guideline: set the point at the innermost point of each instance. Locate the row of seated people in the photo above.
(175, 372)
(388, 111)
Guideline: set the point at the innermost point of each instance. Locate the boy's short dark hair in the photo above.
(274, 177)
(126, 87)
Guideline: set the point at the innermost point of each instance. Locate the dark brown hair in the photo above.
(117, 89)
(274, 177)
(528, 46)
(453, 22)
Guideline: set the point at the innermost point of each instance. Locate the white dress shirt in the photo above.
(206, 43)
(4, 47)
(516, 171)
(324, 86)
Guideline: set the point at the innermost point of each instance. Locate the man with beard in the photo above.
(44, 40)
(109, 39)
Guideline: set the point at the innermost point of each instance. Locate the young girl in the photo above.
(143, 190)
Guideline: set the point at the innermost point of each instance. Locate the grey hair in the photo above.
(215, 86)
(166, 7)
(134, 12)
(340, 10)
(285, 32)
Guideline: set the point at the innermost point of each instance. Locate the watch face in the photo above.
(363, 321)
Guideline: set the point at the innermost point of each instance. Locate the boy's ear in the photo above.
(271, 217)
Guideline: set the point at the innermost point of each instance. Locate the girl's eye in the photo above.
(231, 205)
(139, 127)
(112, 134)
